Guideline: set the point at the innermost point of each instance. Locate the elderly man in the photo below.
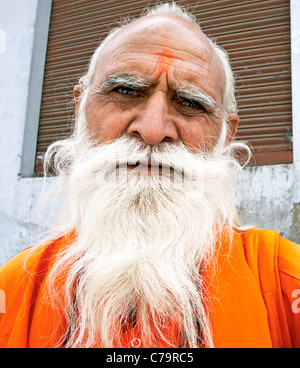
(150, 252)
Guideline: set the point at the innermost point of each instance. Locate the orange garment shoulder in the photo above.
(240, 315)
(21, 279)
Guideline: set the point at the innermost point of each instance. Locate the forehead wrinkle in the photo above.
(139, 44)
(137, 59)
(169, 42)
(205, 59)
(164, 55)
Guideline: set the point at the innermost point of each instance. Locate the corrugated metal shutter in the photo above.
(255, 33)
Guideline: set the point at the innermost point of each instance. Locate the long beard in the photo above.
(143, 242)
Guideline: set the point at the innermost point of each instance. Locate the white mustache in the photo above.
(130, 156)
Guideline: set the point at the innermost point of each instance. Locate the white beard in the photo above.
(143, 241)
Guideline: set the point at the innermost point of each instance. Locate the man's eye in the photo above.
(193, 104)
(126, 91)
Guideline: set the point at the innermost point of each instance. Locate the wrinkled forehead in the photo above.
(152, 35)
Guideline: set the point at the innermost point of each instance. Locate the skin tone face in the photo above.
(158, 79)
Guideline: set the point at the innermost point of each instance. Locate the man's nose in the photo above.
(153, 123)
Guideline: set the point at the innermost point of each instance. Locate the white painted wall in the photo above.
(17, 22)
(270, 194)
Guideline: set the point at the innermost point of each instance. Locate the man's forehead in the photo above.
(170, 31)
(171, 39)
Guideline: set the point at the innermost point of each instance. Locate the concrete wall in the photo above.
(270, 194)
(17, 24)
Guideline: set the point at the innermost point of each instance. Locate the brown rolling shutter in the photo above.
(255, 33)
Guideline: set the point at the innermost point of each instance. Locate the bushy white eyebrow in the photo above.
(197, 95)
(124, 80)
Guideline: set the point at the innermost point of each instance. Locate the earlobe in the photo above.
(232, 125)
(77, 92)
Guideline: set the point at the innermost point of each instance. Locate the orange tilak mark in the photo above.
(166, 60)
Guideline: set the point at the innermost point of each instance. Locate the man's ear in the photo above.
(77, 92)
(232, 125)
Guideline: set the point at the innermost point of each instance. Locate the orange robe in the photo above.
(254, 303)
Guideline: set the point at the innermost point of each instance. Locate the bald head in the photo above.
(160, 38)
